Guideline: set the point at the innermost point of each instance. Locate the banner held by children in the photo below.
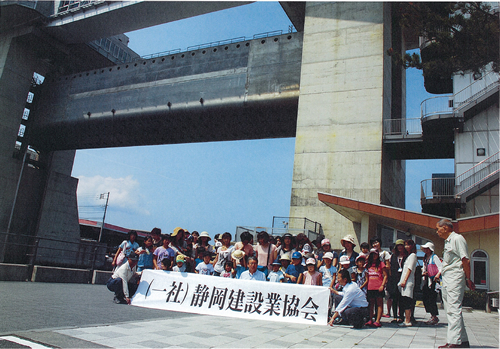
(211, 295)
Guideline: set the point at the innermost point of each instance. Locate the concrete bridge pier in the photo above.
(46, 199)
(346, 91)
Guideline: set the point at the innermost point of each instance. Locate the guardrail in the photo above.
(274, 232)
(435, 188)
(477, 174)
(450, 104)
(475, 90)
(403, 127)
(436, 105)
(31, 250)
(454, 187)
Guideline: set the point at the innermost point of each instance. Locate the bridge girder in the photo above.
(244, 90)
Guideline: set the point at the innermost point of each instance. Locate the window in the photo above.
(479, 269)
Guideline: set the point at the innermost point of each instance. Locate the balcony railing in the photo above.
(436, 188)
(436, 105)
(477, 174)
(450, 104)
(404, 127)
(475, 90)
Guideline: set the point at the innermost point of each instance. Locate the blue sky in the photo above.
(212, 186)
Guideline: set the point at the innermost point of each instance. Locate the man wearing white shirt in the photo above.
(455, 275)
(120, 282)
(353, 308)
(252, 273)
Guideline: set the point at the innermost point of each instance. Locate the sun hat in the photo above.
(276, 262)
(296, 255)
(348, 238)
(204, 234)
(361, 255)
(237, 254)
(328, 255)
(428, 245)
(374, 250)
(345, 260)
(285, 256)
(311, 261)
(325, 242)
(400, 242)
(306, 248)
(176, 231)
(287, 235)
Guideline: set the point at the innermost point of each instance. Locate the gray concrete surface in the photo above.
(84, 316)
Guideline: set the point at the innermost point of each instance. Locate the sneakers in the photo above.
(405, 324)
(434, 321)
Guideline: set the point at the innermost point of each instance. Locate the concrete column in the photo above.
(345, 93)
(45, 204)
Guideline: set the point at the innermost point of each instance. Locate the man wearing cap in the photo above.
(431, 272)
(353, 308)
(252, 273)
(455, 275)
(123, 282)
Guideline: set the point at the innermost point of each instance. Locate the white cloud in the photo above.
(124, 193)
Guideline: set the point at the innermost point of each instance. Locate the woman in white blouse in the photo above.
(407, 281)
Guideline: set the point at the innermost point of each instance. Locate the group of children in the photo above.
(368, 269)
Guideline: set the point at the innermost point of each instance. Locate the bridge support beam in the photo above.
(44, 188)
(345, 93)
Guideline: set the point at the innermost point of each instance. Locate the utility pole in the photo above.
(104, 216)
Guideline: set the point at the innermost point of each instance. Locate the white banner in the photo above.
(212, 295)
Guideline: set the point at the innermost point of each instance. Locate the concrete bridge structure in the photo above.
(331, 85)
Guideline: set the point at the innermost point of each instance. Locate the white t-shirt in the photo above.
(205, 269)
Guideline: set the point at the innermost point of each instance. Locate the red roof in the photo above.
(111, 227)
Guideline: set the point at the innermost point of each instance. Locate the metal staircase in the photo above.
(453, 193)
(431, 136)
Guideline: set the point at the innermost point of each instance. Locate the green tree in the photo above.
(461, 37)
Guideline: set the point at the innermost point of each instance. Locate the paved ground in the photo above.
(84, 316)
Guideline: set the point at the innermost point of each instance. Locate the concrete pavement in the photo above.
(84, 316)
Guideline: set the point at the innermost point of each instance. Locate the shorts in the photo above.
(374, 294)
(406, 302)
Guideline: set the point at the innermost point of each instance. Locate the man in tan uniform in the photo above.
(455, 276)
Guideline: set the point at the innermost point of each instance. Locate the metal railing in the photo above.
(403, 127)
(216, 43)
(477, 174)
(475, 90)
(34, 250)
(75, 5)
(311, 235)
(437, 188)
(450, 104)
(436, 105)
(454, 187)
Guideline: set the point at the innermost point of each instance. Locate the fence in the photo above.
(477, 174)
(436, 105)
(26, 249)
(311, 235)
(438, 188)
(403, 126)
(475, 90)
